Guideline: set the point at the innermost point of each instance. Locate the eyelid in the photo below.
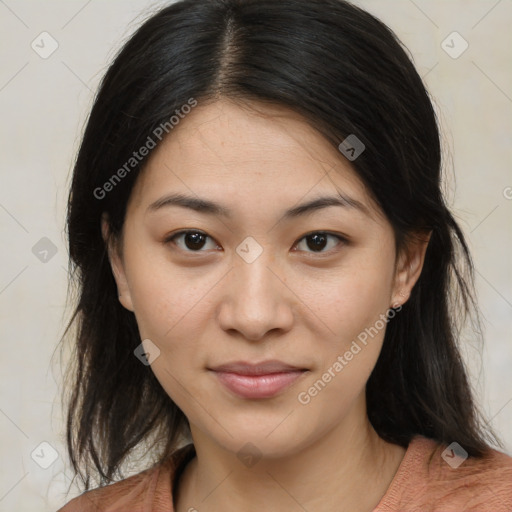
(324, 232)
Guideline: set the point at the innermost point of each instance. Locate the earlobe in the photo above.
(409, 267)
(117, 266)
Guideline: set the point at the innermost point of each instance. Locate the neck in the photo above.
(331, 473)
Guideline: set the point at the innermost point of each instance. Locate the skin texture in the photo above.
(294, 303)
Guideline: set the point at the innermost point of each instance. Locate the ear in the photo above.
(117, 265)
(408, 268)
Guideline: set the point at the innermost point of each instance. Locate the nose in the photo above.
(255, 300)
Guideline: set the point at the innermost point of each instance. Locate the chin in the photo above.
(258, 442)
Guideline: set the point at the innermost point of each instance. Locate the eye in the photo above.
(195, 241)
(318, 240)
(192, 240)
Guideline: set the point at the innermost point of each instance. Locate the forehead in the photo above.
(247, 153)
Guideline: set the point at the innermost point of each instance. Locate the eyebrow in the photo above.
(208, 207)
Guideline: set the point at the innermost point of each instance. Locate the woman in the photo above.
(269, 277)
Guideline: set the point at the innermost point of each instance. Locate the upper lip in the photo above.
(262, 368)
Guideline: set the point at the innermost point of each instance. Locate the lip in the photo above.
(260, 380)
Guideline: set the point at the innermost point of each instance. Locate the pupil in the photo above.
(195, 240)
(317, 238)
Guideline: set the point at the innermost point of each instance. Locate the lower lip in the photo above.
(258, 386)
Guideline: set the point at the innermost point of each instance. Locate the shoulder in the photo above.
(435, 476)
(147, 491)
(129, 492)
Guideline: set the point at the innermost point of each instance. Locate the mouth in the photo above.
(260, 380)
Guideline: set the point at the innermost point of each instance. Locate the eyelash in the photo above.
(340, 238)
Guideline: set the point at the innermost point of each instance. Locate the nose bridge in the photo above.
(256, 278)
(252, 262)
(256, 284)
(256, 299)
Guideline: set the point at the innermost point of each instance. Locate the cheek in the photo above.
(171, 311)
(164, 296)
(355, 308)
(350, 299)
(356, 313)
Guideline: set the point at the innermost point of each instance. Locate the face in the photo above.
(258, 277)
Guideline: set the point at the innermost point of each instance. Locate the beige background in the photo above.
(44, 103)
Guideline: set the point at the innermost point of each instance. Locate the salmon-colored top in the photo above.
(424, 481)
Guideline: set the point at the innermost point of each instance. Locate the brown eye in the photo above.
(319, 240)
(190, 241)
